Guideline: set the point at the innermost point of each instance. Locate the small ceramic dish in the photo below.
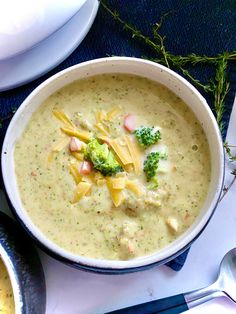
(23, 266)
(142, 68)
(25, 23)
(40, 59)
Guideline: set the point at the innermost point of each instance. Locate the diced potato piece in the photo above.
(82, 135)
(129, 228)
(134, 187)
(116, 195)
(60, 115)
(164, 167)
(172, 224)
(119, 183)
(152, 202)
(127, 245)
(74, 171)
(82, 189)
(84, 124)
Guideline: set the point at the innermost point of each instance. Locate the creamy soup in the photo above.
(113, 166)
(7, 305)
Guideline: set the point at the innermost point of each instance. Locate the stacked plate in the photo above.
(34, 38)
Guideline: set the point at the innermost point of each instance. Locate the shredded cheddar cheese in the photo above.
(121, 152)
(102, 129)
(134, 152)
(105, 139)
(100, 116)
(82, 135)
(116, 195)
(60, 145)
(113, 113)
(82, 189)
(78, 156)
(51, 156)
(60, 115)
(74, 171)
(134, 187)
(118, 183)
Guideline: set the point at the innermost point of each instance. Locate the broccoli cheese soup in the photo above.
(113, 166)
(7, 305)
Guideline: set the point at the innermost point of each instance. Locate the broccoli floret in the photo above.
(153, 184)
(147, 136)
(151, 166)
(102, 158)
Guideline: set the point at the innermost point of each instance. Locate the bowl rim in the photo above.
(103, 264)
(16, 52)
(23, 266)
(17, 297)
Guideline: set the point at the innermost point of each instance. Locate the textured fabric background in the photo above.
(193, 26)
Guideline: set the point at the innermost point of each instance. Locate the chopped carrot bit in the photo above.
(129, 123)
(85, 168)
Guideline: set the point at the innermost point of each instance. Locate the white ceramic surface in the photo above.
(118, 65)
(35, 62)
(24, 23)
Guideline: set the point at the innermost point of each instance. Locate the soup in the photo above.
(7, 305)
(113, 166)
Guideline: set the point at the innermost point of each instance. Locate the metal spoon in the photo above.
(225, 285)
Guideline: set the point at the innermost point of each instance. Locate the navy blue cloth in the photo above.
(193, 26)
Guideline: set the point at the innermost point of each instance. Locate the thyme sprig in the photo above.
(217, 88)
(227, 188)
(228, 150)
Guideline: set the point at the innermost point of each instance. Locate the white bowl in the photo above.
(23, 266)
(25, 23)
(143, 68)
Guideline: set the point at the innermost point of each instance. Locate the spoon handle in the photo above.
(170, 305)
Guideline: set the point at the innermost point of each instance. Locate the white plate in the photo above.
(25, 23)
(32, 64)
